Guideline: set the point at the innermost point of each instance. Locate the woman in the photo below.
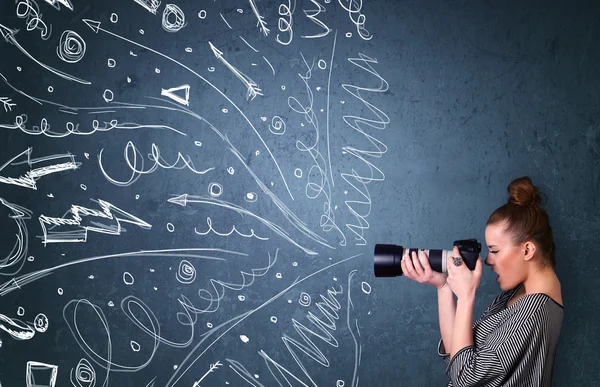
(514, 342)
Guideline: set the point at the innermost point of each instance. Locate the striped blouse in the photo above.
(513, 346)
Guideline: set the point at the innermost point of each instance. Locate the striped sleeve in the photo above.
(471, 367)
(443, 353)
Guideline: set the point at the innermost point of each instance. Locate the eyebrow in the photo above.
(490, 246)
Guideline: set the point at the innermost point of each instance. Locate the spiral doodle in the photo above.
(304, 299)
(84, 374)
(178, 15)
(186, 273)
(277, 126)
(71, 47)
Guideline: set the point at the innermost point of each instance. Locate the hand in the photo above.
(463, 281)
(423, 273)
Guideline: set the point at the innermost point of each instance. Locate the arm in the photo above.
(447, 313)
(462, 334)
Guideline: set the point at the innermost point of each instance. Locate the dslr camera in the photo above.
(387, 257)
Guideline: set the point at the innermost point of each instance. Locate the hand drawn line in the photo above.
(7, 103)
(182, 162)
(150, 5)
(328, 107)
(285, 21)
(16, 328)
(233, 229)
(71, 230)
(252, 88)
(270, 65)
(357, 347)
(56, 3)
(39, 167)
(177, 13)
(260, 20)
(290, 216)
(19, 282)
(19, 250)
(9, 37)
(185, 100)
(312, 16)
(184, 199)
(212, 368)
(361, 209)
(223, 17)
(180, 369)
(71, 47)
(84, 374)
(95, 26)
(35, 367)
(248, 44)
(29, 10)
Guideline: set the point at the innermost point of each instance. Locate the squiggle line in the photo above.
(182, 200)
(71, 128)
(95, 26)
(318, 180)
(210, 228)
(289, 215)
(149, 317)
(354, 7)
(214, 300)
(155, 156)
(361, 209)
(180, 370)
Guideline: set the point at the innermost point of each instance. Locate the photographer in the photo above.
(514, 342)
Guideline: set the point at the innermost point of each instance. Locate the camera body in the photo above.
(387, 257)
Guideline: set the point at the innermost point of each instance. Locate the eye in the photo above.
(494, 252)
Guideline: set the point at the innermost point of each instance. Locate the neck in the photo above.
(539, 280)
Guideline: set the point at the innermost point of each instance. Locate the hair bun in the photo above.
(523, 193)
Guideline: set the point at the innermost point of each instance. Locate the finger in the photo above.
(404, 269)
(417, 265)
(449, 264)
(425, 262)
(409, 266)
(478, 266)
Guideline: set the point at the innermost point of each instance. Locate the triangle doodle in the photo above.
(171, 94)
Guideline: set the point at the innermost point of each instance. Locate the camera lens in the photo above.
(387, 260)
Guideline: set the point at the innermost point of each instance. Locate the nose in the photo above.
(487, 260)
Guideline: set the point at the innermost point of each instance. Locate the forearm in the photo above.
(447, 313)
(462, 333)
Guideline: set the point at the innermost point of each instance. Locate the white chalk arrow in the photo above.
(56, 3)
(37, 168)
(9, 36)
(251, 86)
(107, 220)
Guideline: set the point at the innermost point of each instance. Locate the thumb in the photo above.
(478, 266)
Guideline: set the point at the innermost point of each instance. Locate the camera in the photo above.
(387, 257)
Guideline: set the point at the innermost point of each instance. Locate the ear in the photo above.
(528, 250)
